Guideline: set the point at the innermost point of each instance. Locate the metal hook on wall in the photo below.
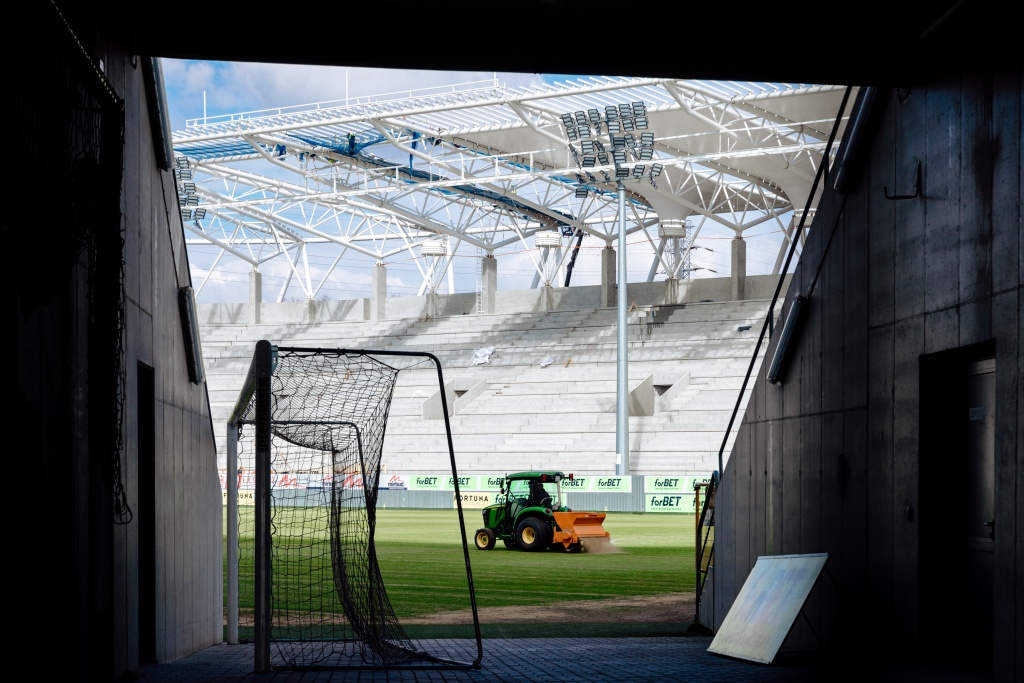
(917, 187)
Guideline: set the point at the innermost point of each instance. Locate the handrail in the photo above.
(768, 323)
(703, 554)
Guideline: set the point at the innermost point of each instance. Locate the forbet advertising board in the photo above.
(670, 494)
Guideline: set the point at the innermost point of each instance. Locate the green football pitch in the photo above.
(423, 566)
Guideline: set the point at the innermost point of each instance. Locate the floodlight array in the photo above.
(187, 197)
(620, 122)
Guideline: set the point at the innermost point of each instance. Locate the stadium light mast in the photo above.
(619, 123)
(622, 347)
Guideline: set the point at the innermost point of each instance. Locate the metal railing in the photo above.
(769, 321)
(705, 526)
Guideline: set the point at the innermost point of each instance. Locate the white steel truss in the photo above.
(497, 169)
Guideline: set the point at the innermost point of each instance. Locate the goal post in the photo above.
(305, 441)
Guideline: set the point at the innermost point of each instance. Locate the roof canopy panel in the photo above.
(489, 166)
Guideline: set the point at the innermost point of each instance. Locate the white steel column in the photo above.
(622, 401)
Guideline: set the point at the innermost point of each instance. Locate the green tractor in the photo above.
(529, 514)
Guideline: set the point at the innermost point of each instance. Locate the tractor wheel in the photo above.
(532, 535)
(484, 539)
(509, 543)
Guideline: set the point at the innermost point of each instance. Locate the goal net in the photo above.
(307, 435)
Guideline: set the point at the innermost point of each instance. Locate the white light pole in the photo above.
(620, 122)
(622, 376)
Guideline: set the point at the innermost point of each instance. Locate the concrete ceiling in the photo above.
(854, 43)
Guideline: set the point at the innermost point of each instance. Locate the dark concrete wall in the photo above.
(124, 560)
(841, 456)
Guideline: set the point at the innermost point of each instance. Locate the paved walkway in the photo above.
(565, 660)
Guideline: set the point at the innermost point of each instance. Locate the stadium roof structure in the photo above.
(486, 168)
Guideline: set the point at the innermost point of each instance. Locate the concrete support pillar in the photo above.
(489, 282)
(547, 298)
(609, 293)
(739, 269)
(433, 304)
(671, 291)
(255, 296)
(378, 291)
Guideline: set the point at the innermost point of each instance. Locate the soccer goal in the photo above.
(304, 572)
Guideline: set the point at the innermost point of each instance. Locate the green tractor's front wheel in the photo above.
(484, 539)
(532, 535)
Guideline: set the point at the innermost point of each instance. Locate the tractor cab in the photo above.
(530, 514)
(523, 495)
(520, 492)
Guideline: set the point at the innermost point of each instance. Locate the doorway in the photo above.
(957, 503)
